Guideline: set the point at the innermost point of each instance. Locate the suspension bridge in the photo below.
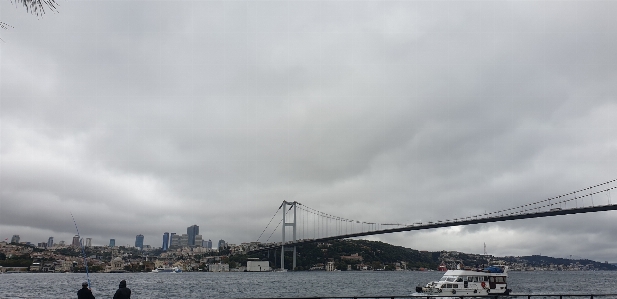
(317, 226)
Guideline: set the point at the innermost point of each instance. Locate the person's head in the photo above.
(84, 284)
(123, 284)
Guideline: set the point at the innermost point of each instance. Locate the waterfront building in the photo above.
(112, 242)
(165, 241)
(15, 239)
(192, 231)
(139, 241)
(50, 242)
(330, 266)
(258, 266)
(76, 242)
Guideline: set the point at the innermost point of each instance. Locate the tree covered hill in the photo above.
(374, 255)
(354, 254)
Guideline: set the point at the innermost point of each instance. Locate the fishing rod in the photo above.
(83, 251)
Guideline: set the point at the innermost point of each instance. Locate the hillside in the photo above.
(372, 255)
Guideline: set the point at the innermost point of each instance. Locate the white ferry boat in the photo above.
(166, 270)
(489, 281)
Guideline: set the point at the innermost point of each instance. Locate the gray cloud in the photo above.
(146, 117)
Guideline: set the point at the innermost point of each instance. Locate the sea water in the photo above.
(285, 284)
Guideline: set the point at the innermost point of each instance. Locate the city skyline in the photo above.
(138, 241)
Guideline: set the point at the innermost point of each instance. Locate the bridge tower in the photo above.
(285, 224)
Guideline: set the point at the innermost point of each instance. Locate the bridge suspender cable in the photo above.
(277, 211)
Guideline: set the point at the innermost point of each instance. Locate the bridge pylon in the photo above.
(285, 224)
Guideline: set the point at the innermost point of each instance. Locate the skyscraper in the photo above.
(174, 240)
(192, 231)
(165, 241)
(88, 242)
(139, 241)
(50, 242)
(184, 240)
(222, 244)
(208, 244)
(112, 242)
(15, 239)
(198, 240)
(76, 242)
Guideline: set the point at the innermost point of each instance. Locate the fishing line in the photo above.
(83, 251)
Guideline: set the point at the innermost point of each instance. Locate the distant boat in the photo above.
(166, 270)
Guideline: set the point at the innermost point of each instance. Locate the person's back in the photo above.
(84, 292)
(123, 292)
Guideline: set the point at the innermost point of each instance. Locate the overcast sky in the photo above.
(145, 117)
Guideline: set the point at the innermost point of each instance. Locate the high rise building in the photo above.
(76, 242)
(139, 241)
(208, 244)
(15, 239)
(165, 241)
(198, 240)
(174, 240)
(192, 231)
(88, 242)
(222, 244)
(112, 242)
(184, 240)
(50, 242)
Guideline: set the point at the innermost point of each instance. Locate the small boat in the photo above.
(166, 270)
(489, 281)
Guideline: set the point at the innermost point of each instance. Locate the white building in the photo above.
(258, 266)
(330, 266)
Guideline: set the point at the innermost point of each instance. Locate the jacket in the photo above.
(84, 293)
(123, 292)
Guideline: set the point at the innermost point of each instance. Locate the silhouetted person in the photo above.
(123, 292)
(85, 292)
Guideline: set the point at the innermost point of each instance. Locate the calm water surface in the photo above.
(290, 284)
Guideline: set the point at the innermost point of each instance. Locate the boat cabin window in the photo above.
(500, 279)
(449, 286)
(448, 278)
(459, 279)
(485, 278)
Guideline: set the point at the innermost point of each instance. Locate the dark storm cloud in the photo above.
(146, 117)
